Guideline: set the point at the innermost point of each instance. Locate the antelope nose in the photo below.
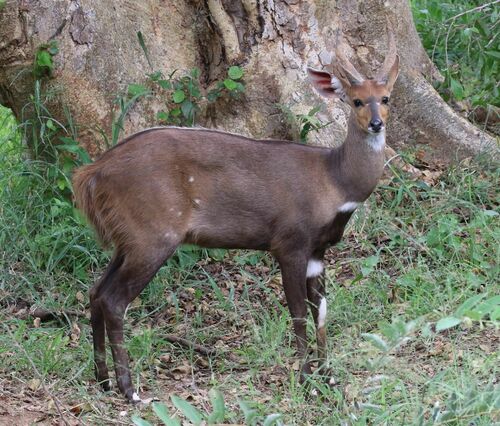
(376, 125)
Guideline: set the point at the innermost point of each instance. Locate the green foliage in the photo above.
(38, 218)
(306, 123)
(183, 95)
(473, 309)
(215, 417)
(461, 408)
(461, 37)
(2, 4)
(43, 64)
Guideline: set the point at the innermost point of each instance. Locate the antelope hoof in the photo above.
(105, 385)
(326, 375)
(103, 380)
(132, 397)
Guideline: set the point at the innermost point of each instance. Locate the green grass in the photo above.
(411, 258)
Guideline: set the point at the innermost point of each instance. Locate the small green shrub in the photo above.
(43, 65)
(216, 416)
(306, 123)
(183, 94)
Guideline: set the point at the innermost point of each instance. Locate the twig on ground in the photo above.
(45, 314)
(184, 342)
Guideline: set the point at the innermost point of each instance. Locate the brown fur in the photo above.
(166, 186)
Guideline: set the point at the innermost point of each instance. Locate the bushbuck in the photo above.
(166, 186)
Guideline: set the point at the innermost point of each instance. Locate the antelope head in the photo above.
(368, 98)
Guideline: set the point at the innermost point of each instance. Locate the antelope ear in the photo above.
(326, 84)
(393, 74)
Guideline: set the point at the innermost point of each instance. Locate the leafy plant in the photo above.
(392, 336)
(197, 417)
(306, 123)
(473, 309)
(43, 64)
(183, 94)
(463, 408)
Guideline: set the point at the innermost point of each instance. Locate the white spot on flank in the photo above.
(135, 397)
(314, 268)
(348, 207)
(376, 141)
(322, 313)
(179, 214)
(171, 234)
(197, 201)
(191, 179)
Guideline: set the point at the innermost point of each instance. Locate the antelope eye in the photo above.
(385, 100)
(358, 103)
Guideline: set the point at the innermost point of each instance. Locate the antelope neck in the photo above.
(357, 165)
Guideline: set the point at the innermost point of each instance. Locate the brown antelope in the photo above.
(163, 187)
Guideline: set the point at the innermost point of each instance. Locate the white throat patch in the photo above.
(376, 141)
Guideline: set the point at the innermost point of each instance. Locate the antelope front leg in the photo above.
(293, 272)
(317, 300)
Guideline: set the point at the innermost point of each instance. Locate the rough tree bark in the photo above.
(274, 40)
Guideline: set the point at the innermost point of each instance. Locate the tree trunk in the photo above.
(273, 40)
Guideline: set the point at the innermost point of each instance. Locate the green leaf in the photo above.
(249, 412)
(213, 95)
(140, 37)
(139, 422)
(50, 124)
(44, 59)
(446, 323)
(178, 96)
(2, 4)
(219, 409)
(230, 84)
(187, 109)
(195, 73)
(488, 306)
(137, 89)
(272, 419)
(235, 72)
(495, 315)
(53, 49)
(155, 76)
(468, 304)
(456, 89)
(161, 410)
(175, 112)
(240, 87)
(313, 111)
(165, 84)
(194, 415)
(368, 265)
(162, 116)
(493, 53)
(376, 341)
